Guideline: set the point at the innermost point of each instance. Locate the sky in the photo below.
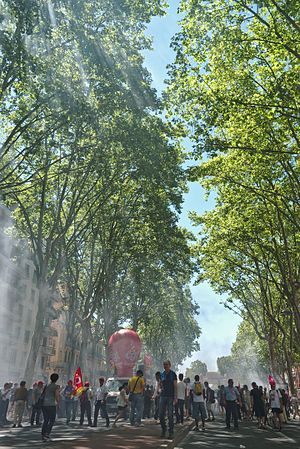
(218, 325)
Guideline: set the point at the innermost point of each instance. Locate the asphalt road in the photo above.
(147, 437)
(248, 436)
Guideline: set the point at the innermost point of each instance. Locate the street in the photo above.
(147, 437)
(248, 436)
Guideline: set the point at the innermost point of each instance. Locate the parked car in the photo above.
(113, 384)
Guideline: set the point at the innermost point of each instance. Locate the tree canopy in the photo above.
(91, 174)
(233, 90)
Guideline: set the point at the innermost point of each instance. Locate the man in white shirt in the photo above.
(198, 403)
(181, 395)
(100, 403)
(275, 398)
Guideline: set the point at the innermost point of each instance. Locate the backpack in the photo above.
(198, 389)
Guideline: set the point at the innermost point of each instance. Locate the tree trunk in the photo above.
(37, 336)
(289, 372)
(85, 338)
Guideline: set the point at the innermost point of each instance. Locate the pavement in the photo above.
(75, 436)
(125, 436)
(247, 437)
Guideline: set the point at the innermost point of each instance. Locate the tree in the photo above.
(232, 89)
(197, 367)
(249, 359)
(74, 77)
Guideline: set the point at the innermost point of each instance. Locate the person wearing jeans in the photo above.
(36, 406)
(168, 398)
(232, 396)
(100, 404)
(136, 387)
(179, 408)
(50, 400)
(69, 398)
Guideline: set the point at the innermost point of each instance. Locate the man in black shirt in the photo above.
(168, 398)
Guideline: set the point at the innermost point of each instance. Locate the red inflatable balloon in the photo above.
(124, 348)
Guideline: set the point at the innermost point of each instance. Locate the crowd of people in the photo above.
(171, 400)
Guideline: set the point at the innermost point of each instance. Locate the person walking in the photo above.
(122, 404)
(136, 386)
(168, 398)
(148, 394)
(20, 400)
(276, 404)
(181, 390)
(221, 400)
(50, 400)
(198, 404)
(246, 400)
(100, 404)
(36, 403)
(156, 396)
(86, 404)
(4, 403)
(188, 401)
(69, 398)
(232, 398)
(257, 404)
(210, 400)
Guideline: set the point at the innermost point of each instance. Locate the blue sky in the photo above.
(219, 325)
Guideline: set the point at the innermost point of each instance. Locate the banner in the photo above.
(78, 384)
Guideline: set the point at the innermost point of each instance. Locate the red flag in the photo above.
(78, 384)
(271, 380)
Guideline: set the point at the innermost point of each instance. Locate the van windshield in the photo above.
(115, 384)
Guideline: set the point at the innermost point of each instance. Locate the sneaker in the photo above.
(14, 425)
(170, 436)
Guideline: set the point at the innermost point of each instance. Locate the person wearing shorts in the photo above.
(122, 404)
(276, 404)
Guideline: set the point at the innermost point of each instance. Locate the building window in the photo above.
(20, 310)
(26, 337)
(29, 317)
(11, 304)
(12, 358)
(32, 295)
